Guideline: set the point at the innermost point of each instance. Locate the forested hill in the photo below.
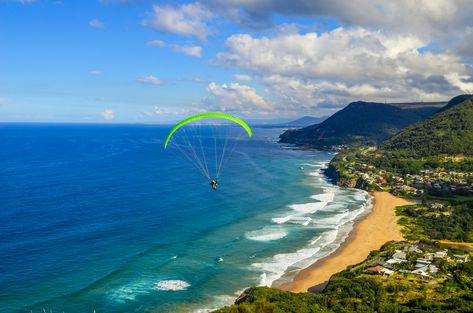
(361, 123)
(448, 132)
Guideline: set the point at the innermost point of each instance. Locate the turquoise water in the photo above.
(101, 217)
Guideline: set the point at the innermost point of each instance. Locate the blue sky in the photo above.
(153, 61)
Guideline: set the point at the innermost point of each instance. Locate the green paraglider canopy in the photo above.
(208, 115)
(202, 142)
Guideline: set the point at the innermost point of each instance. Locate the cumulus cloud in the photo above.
(95, 23)
(421, 17)
(236, 98)
(188, 20)
(190, 50)
(108, 114)
(464, 83)
(242, 77)
(346, 64)
(152, 80)
(194, 51)
(462, 44)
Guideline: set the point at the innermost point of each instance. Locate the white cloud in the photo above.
(194, 51)
(235, 98)
(309, 70)
(241, 77)
(190, 50)
(420, 17)
(152, 80)
(463, 83)
(25, 1)
(160, 111)
(164, 112)
(108, 114)
(188, 20)
(94, 72)
(95, 23)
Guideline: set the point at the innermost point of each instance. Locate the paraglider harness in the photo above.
(214, 184)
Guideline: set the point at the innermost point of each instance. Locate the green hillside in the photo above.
(356, 289)
(449, 132)
(361, 123)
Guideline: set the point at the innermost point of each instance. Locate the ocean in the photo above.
(101, 217)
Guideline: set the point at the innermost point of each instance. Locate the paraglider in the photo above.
(202, 142)
(214, 184)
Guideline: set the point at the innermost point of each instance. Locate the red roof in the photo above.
(375, 269)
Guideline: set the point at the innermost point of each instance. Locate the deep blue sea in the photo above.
(101, 217)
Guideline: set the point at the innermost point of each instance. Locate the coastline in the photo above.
(369, 233)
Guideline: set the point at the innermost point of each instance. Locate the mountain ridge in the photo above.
(448, 132)
(361, 122)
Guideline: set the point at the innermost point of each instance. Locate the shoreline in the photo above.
(369, 233)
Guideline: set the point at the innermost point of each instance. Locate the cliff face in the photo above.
(345, 180)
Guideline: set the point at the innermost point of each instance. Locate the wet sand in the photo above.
(370, 233)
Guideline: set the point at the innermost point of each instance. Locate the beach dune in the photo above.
(370, 233)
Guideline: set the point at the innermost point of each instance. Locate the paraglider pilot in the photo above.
(214, 184)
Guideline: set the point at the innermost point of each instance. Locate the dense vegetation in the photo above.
(449, 132)
(361, 123)
(452, 221)
(439, 145)
(353, 290)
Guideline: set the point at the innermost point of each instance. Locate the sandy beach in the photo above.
(370, 233)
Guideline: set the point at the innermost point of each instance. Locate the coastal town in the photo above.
(414, 262)
(357, 172)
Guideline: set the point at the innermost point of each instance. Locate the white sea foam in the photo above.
(129, 292)
(329, 237)
(315, 173)
(171, 285)
(315, 240)
(361, 195)
(310, 164)
(218, 302)
(333, 220)
(310, 207)
(263, 280)
(333, 207)
(292, 219)
(275, 267)
(324, 197)
(338, 212)
(301, 220)
(281, 220)
(267, 233)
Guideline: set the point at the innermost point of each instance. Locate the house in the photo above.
(422, 263)
(399, 255)
(375, 269)
(440, 254)
(387, 272)
(461, 258)
(426, 270)
(414, 249)
(428, 256)
(389, 263)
